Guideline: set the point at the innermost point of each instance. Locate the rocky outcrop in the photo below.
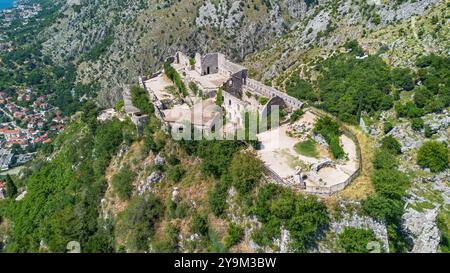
(405, 10)
(112, 42)
(422, 228)
(357, 221)
(408, 138)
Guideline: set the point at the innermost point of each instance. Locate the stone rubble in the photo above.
(422, 228)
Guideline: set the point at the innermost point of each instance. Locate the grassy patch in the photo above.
(307, 148)
(443, 222)
(422, 206)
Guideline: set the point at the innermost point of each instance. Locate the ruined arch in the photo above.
(276, 100)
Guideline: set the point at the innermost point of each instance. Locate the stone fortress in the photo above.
(212, 73)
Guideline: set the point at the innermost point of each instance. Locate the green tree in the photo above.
(219, 97)
(169, 244)
(384, 159)
(417, 124)
(138, 221)
(391, 144)
(383, 208)
(123, 183)
(245, 171)
(428, 131)
(329, 129)
(11, 189)
(140, 99)
(296, 115)
(355, 240)
(402, 78)
(390, 183)
(433, 155)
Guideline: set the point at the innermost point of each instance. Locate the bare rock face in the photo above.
(407, 137)
(405, 10)
(225, 16)
(438, 122)
(422, 228)
(297, 8)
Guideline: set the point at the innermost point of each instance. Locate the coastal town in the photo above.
(22, 13)
(27, 119)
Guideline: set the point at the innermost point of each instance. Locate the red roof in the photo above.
(9, 132)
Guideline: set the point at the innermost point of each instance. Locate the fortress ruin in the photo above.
(207, 76)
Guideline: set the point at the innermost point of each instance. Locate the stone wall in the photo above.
(270, 92)
(234, 108)
(210, 64)
(235, 84)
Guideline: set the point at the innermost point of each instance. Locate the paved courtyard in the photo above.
(278, 153)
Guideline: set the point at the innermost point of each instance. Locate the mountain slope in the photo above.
(114, 41)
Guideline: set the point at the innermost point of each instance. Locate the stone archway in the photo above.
(274, 101)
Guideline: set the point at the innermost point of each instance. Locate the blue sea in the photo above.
(6, 4)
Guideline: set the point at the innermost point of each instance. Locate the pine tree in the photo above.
(11, 189)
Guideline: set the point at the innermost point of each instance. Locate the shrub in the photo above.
(402, 78)
(335, 147)
(11, 189)
(433, 155)
(119, 105)
(199, 224)
(234, 236)
(354, 47)
(422, 96)
(428, 131)
(304, 216)
(193, 86)
(409, 110)
(219, 97)
(173, 75)
(391, 144)
(217, 197)
(416, 124)
(267, 233)
(383, 208)
(355, 240)
(175, 173)
(387, 127)
(296, 115)
(384, 159)
(263, 100)
(390, 183)
(140, 99)
(329, 129)
(443, 223)
(169, 244)
(245, 171)
(123, 183)
(216, 155)
(137, 222)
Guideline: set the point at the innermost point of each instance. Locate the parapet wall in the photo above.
(270, 92)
